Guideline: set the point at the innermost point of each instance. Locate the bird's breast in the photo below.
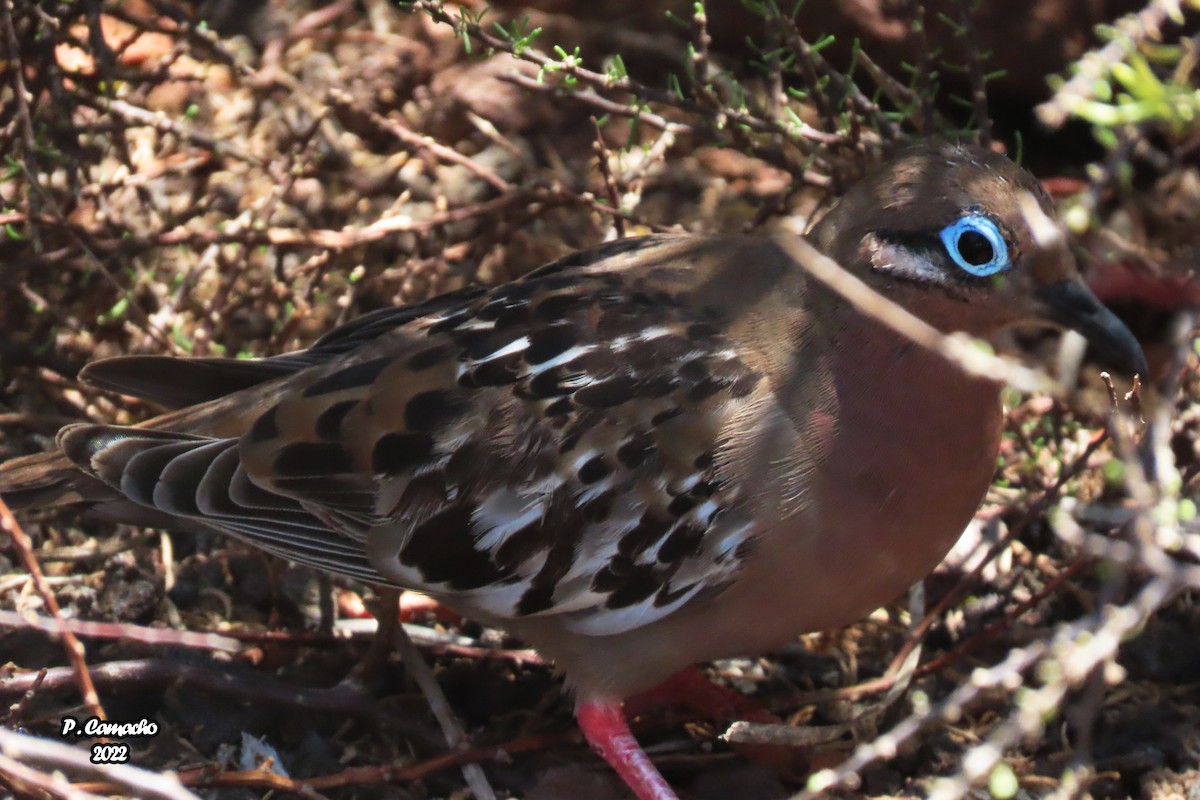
(908, 463)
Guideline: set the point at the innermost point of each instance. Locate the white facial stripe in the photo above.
(897, 260)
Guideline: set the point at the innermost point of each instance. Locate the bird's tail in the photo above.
(46, 480)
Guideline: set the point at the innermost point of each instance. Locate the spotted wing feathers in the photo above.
(553, 446)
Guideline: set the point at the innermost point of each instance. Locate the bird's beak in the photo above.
(1071, 304)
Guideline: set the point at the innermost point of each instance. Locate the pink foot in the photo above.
(690, 690)
(604, 726)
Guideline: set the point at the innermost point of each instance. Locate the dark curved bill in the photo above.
(1072, 305)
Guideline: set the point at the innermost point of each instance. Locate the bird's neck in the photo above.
(890, 383)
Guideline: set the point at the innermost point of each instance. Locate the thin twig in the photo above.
(418, 141)
(122, 631)
(415, 664)
(75, 651)
(25, 781)
(160, 121)
(625, 84)
(610, 184)
(32, 751)
(979, 98)
(923, 88)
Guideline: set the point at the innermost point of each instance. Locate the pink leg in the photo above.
(604, 726)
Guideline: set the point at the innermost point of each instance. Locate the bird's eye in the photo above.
(975, 244)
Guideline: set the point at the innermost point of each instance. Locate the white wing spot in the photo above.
(515, 346)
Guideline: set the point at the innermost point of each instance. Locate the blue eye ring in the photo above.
(979, 225)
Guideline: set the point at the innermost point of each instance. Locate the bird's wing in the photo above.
(559, 445)
(179, 382)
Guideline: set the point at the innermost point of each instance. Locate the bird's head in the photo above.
(964, 239)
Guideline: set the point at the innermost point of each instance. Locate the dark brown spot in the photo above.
(614, 574)
(569, 442)
(430, 410)
(550, 342)
(636, 588)
(560, 407)
(425, 491)
(693, 370)
(443, 549)
(682, 504)
(665, 416)
(540, 595)
(666, 596)
(397, 453)
(351, 377)
(704, 390)
(669, 349)
(550, 382)
(594, 469)
(305, 459)
(701, 330)
(265, 427)
(646, 534)
(598, 508)
(329, 423)
(429, 357)
(600, 363)
(703, 461)
(535, 599)
(520, 546)
(450, 322)
(744, 384)
(658, 385)
(495, 372)
(634, 452)
(684, 541)
(493, 310)
(606, 580)
(557, 306)
(608, 393)
(735, 376)
(519, 292)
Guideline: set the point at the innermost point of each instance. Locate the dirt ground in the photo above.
(240, 186)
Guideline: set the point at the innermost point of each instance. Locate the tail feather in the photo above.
(49, 479)
(178, 383)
